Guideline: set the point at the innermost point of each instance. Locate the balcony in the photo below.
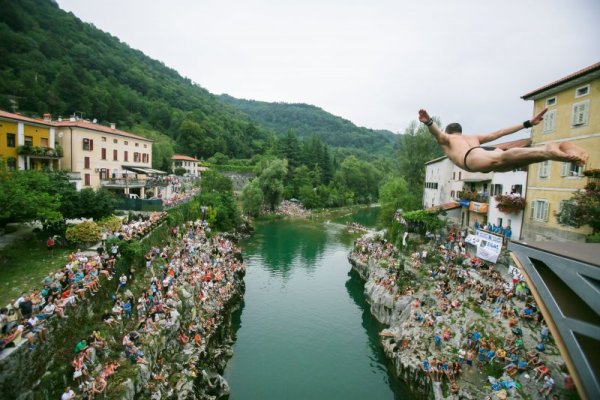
(122, 183)
(510, 204)
(478, 197)
(40, 152)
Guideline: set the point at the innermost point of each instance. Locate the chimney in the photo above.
(113, 125)
(47, 117)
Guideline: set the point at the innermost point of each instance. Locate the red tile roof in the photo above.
(19, 117)
(585, 71)
(100, 128)
(68, 123)
(183, 158)
(444, 207)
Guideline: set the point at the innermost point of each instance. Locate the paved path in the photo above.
(9, 238)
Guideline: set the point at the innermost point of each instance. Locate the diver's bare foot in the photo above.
(570, 148)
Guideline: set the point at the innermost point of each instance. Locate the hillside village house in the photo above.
(94, 155)
(573, 115)
(28, 143)
(442, 184)
(190, 164)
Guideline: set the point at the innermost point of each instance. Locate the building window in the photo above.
(582, 91)
(549, 124)
(86, 179)
(125, 156)
(539, 210)
(28, 141)
(571, 169)
(516, 189)
(44, 142)
(499, 223)
(459, 175)
(137, 145)
(580, 113)
(136, 157)
(496, 189)
(115, 155)
(145, 146)
(551, 101)
(126, 142)
(86, 162)
(88, 144)
(115, 141)
(543, 169)
(104, 138)
(11, 140)
(452, 194)
(103, 153)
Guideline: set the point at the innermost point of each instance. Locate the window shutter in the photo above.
(546, 210)
(565, 169)
(580, 113)
(532, 214)
(91, 145)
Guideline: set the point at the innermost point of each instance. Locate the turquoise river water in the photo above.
(304, 330)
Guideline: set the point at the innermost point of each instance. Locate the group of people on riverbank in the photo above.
(26, 316)
(195, 266)
(288, 208)
(459, 284)
(137, 227)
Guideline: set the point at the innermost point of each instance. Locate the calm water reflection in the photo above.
(304, 331)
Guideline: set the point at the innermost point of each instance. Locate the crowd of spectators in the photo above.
(25, 317)
(461, 282)
(195, 265)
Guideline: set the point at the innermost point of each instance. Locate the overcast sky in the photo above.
(374, 62)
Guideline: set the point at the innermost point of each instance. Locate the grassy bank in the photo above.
(25, 263)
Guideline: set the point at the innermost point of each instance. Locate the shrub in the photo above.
(111, 223)
(85, 232)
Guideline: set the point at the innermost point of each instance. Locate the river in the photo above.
(304, 330)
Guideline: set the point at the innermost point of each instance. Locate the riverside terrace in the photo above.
(466, 320)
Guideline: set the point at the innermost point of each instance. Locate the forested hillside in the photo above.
(307, 120)
(53, 62)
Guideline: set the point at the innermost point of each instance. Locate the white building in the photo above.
(190, 164)
(442, 182)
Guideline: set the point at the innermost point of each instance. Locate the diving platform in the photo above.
(564, 278)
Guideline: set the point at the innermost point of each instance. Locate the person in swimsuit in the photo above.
(467, 152)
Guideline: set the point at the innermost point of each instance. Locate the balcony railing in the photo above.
(478, 197)
(123, 183)
(37, 151)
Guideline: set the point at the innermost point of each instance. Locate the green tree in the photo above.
(214, 181)
(416, 147)
(25, 196)
(583, 208)
(270, 179)
(252, 198)
(394, 194)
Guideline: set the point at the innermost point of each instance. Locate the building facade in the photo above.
(28, 143)
(190, 164)
(573, 115)
(105, 156)
(442, 182)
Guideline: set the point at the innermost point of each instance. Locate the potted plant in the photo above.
(510, 204)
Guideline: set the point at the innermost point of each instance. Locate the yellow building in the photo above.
(28, 143)
(573, 115)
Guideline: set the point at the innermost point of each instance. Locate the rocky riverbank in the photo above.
(457, 325)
